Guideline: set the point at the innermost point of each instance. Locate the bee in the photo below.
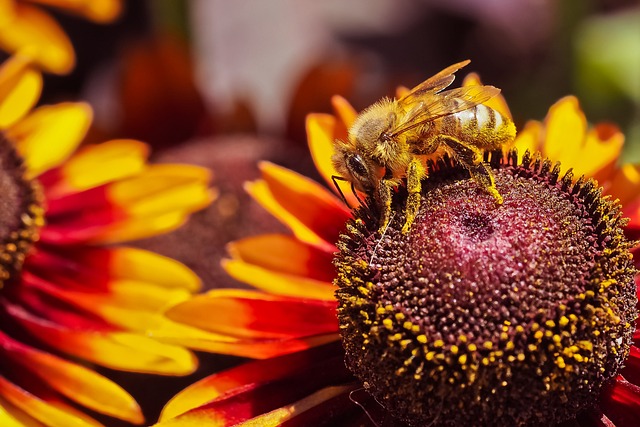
(390, 139)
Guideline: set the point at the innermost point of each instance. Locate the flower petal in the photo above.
(625, 183)
(95, 165)
(102, 11)
(48, 44)
(46, 413)
(345, 112)
(153, 202)
(320, 136)
(566, 127)
(529, 138)
(278, 283)
(622, 403)
(116, 350)
(20, 88)
(313, 214)
(250, 314)
(284, 254)
(50, 134)
(74, 381)
(260, 374)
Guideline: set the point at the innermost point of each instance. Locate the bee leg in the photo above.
(384, 197)
(471, 157)
(415, 173)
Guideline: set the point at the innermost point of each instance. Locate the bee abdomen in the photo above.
(483, 126)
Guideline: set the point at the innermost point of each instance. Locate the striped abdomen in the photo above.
(480, 126)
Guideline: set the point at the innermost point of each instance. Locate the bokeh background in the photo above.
(226, 84)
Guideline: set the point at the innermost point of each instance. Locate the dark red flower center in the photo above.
(487, 315)
(21, 212)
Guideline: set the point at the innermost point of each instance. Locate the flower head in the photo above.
(23, 25)
(522, 314)
(70, 295)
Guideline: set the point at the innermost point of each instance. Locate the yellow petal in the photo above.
(278, 283)
(44, 412)
(529, 138)
(320, 131)
(20, 88)
(600, 152)
(12, 416)
(99, 164)
(50, 134)
(84, 386)
(34, 29)
(152, 268)
(498, 102)
(345, 110)
(163, 188)
(565, 132)
(97, 10)
(140, 228)
(7, 11)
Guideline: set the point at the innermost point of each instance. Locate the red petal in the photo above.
(621, 403)
(252, 389)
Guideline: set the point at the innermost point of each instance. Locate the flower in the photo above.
(542, 341)
(70, 295)
(25, 25)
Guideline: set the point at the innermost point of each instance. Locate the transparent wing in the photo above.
(434, 106)
(433, 84)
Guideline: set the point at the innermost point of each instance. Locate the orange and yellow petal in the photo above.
(251, 314)
(20, 88)
(73, 381)
(95, 165)
(155, 201)
(268, 384)
(284, 254)
(277, 283)
(313, 214)
(105, 346)
(33, 29)
(24, 407)
(102, 11)
(50, 134)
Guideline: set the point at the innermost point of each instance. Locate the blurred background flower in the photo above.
(25, 24)
(71, 296)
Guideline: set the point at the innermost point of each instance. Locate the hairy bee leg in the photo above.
(415, 173)
(384, 196)
(471, 158)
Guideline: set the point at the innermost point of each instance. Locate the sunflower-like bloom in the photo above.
(518, 315)
(25, 25)
(70, 296)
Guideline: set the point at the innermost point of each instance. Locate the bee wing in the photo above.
(433, 84)
(434, 106)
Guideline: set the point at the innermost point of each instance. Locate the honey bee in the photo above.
(389, 139)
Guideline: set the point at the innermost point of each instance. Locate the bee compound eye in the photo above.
(357, 166)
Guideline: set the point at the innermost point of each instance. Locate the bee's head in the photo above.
(356, 167)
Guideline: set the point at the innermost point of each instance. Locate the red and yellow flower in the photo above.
(25, 24)
(71, 295)
(290, 321)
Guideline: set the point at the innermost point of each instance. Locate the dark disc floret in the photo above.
(489, 315)
(21, 211)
